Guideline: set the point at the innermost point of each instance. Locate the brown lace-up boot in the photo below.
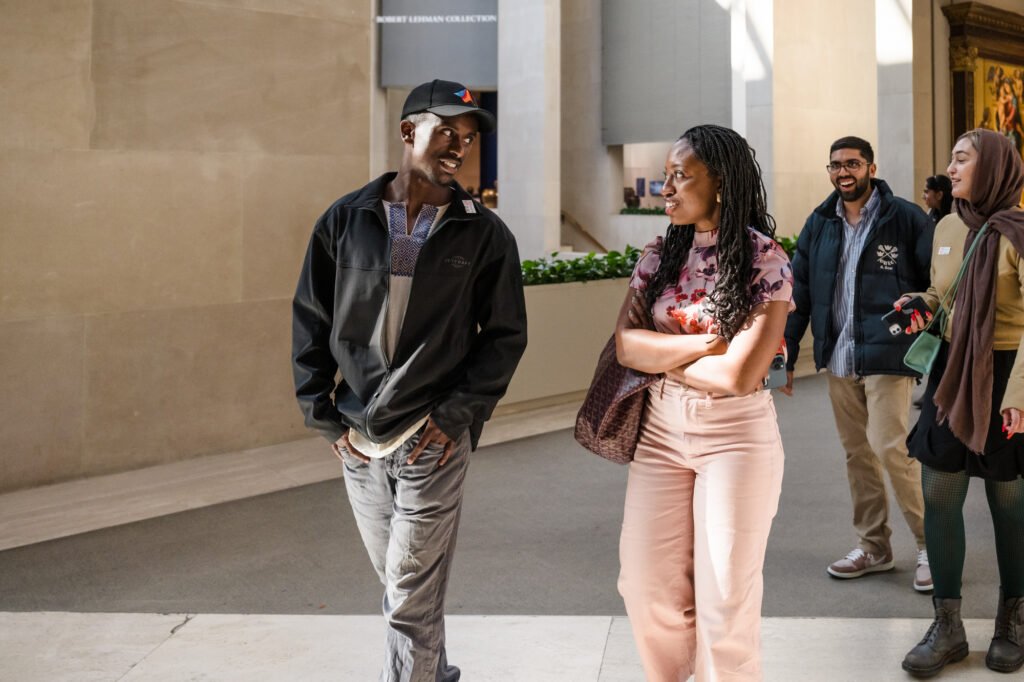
(945, 642)
(1006, 653)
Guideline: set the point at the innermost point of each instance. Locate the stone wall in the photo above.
(161, 167)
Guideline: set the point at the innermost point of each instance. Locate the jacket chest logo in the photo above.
(457, 262)
(887, 255)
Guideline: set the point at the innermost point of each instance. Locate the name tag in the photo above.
(470, 208)
(943, 250)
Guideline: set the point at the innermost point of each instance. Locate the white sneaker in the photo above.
(858, 562)
(923, 573)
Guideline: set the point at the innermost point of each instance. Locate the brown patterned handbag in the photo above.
(608, 422)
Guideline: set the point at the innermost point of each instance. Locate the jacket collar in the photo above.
(371, 197)
(827, 209)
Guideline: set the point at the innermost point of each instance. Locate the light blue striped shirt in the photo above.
(841, 318)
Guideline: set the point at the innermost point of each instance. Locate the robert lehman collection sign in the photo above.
(421, 40)
(438, 19)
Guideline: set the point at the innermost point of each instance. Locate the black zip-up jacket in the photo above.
(461, 339)
(896, 260)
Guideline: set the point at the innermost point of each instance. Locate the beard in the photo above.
(860, 187)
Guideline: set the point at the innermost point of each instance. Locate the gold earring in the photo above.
(718, 197)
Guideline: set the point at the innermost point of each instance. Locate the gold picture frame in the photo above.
(986, 47)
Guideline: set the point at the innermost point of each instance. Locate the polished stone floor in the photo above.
(80, 647)
(49, 646)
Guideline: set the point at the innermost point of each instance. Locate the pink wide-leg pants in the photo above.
(703, 489)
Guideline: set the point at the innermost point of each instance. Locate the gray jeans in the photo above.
(408, 517)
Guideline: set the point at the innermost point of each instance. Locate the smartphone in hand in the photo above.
(897, 321)
(776, 372)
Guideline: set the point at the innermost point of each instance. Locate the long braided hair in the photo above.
(744, 200)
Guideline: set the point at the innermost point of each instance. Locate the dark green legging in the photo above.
(944, 496)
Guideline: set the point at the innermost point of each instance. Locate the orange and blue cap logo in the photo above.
(465, 96)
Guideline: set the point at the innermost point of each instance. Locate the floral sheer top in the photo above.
(681, 309)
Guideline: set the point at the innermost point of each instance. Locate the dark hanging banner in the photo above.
(421, 40)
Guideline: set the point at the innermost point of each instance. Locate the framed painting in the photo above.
(986, 49)
(999, 105)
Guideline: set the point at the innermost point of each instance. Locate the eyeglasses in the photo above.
(853, 165)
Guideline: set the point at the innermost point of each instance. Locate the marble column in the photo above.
(529, 122)
(813, 102)
(751, 54)
(894, 50)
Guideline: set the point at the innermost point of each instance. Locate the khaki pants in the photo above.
(872, 415)
(703, 488)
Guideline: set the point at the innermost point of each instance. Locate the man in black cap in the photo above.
(408, 322)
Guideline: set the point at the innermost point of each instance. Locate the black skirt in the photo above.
(935, 445)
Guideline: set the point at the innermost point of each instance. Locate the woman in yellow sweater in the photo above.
(973, 407)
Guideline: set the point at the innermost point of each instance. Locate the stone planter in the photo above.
(568, 326)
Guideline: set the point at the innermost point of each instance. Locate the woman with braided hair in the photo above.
(707, 307)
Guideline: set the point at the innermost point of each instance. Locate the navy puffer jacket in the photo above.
(896, 260)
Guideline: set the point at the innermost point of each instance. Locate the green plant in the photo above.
(788, 244)
(592, 266)
(630, 210)
(554, 270)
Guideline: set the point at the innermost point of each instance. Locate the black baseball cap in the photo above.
(447, 98)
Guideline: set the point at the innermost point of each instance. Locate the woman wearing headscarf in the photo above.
(707, 306)
(974, 403)
(938, 197)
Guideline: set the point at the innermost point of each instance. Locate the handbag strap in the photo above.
(943, 311)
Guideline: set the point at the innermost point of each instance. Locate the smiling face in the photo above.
(961, 168)
(689, 190)
(852, 184)
(437, 145)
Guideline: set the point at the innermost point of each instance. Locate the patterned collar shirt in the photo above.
(406, 244)
(854, 237)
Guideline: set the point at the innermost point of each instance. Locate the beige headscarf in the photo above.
(964, 394)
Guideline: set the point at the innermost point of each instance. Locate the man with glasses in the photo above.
(858, 252)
